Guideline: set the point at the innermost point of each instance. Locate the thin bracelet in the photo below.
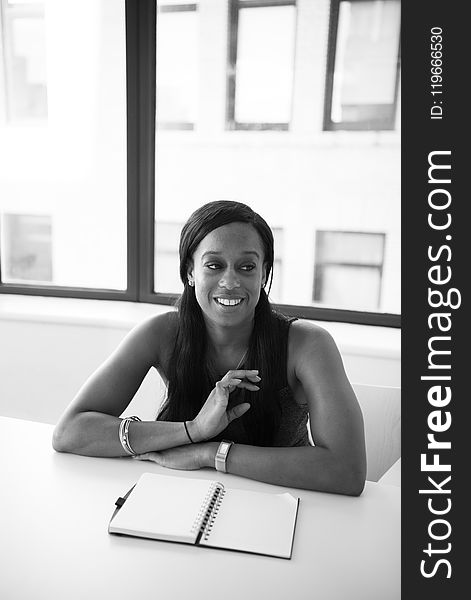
(124, 435)
(187, 432)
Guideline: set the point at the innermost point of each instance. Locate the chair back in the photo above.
(381, 408)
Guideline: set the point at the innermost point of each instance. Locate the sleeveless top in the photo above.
(292, 430)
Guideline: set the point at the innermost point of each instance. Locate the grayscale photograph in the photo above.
(200, 299)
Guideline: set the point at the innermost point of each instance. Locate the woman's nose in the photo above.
(229, 280)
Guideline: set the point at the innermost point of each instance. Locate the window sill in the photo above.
(284, 139)
(76, 311)
(365, 340)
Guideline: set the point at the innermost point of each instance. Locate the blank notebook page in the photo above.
(255, 522)
(162, 507)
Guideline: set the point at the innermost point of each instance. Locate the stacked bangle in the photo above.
(124, 434)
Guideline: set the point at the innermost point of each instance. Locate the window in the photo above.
(64, 180)
(177, 65)
(362, 70)
(23, 58)
(149, 120)
(26, 248)
(261, 64)
(166, 261)
(348, 269)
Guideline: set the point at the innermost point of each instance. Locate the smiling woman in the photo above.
(241, 377)
(228, 279)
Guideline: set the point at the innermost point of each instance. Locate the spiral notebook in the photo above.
(204, 512)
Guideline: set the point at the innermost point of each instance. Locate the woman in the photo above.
(236, 371)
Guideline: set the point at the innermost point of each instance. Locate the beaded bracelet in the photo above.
(124, 434)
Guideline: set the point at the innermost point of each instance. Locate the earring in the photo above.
(191, 283)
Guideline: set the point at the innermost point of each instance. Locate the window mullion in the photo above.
(147, 85)
(140, 49)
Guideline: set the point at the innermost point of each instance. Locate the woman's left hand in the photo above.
(188, 458)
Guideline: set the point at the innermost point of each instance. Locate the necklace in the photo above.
(241, 361)
(215, 370)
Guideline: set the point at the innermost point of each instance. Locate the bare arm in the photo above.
(90, 425)
(337, 463)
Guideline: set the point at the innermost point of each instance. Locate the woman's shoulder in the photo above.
(313, 355)
(158, 332)
(162, 324)
(307, 338)
(304, 328)
(165, 325)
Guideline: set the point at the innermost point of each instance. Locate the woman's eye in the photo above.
(216, 266)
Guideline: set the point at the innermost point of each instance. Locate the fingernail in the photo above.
(253, 370)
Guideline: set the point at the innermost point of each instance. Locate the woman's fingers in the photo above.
(240, 378)
(242, 374)
(254, 379)
(237, 411)
(248, 386)
(231, 384)
(154, 456)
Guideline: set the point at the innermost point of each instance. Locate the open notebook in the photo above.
(206, 513)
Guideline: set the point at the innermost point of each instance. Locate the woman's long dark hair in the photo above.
(190, 379)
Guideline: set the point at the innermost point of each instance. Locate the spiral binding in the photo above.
(212, 517)
(209, 507)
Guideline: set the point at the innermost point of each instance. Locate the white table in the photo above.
(54, 513)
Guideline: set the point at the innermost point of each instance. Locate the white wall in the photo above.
(49, 346)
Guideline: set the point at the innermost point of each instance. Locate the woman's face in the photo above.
(228, 272)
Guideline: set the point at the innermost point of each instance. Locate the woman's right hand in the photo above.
(214, 416)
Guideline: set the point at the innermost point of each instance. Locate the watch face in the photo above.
(223, 448)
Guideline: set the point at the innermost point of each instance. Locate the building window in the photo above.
(362, 65)
(348, 269)
(117, 188)
(166, 261)
(261, 64)
(26, 248)
(23, 61)
(177, 65)
(72, 167)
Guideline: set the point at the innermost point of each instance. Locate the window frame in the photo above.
(140, 20)
(140, 83)
(231, 83)
(177, 8)
(320, 265)
(387, 124)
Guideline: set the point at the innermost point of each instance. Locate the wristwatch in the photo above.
(221, 455)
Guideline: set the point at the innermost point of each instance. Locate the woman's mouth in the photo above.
(228, 301)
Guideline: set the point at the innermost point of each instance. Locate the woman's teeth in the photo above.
(227, 302)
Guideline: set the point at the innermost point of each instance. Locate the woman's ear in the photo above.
(190, 274)
(265, 277)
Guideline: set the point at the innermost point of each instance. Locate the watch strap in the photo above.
(222, 454)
